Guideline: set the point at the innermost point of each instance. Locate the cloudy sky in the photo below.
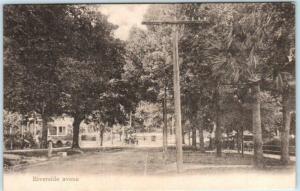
(125, 16)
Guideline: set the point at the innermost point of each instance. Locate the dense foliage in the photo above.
(237, 68)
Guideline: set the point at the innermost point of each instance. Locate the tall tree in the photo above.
(69, 62)
(94, 80)
(282, 26)
(35, 39)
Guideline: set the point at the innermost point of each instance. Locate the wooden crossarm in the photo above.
(173, 22)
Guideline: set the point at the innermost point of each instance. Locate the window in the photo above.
(52, 130)
(61, 130)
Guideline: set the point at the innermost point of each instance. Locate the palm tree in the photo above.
(285, 85)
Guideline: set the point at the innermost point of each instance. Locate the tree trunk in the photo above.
(11, 137)
(285, 129)
(218, 133)
(123, 134)
(257, 131)
(201, 139)
(172, 126)
(44, 143)
(242, 136)
(112, 135)
(241, 130)
(218, 139)
(76, 126)
(189, 136)
(210, 146)
(101, 135)
(165, 127)
(238, 141)
(194, 137)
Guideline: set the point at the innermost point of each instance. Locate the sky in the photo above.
(125, 16)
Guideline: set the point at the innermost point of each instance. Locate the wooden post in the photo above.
(179, 157)
(50, 149)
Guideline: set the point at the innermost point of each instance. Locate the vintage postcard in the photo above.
(185, 96)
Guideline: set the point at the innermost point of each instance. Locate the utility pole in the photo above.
(175, 23)
(177, 102)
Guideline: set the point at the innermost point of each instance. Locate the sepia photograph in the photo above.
(174, 96)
